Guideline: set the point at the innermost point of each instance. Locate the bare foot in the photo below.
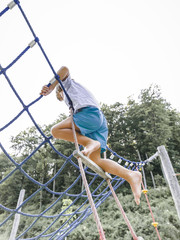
(135, 183)
(91, 147)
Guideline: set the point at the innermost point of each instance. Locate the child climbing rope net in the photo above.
(92, 149)
(91, 129)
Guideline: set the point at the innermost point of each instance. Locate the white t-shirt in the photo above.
(78, 94)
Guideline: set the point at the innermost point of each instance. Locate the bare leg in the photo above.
(134, 178)
(63, 130)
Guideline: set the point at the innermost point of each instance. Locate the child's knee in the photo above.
(54, 131)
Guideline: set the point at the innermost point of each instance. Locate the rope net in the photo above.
(57, 226)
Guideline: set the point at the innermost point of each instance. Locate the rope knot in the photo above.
(36, 39)
(17, 1)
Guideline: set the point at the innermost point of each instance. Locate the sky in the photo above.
(114, 48)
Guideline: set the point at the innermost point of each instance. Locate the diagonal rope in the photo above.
(122, 211)
(89, 194)
(155, 224)
(134, 236)
(96, 217)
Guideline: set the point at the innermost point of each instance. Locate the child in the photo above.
(91, 128)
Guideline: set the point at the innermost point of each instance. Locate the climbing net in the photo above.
(62, 224)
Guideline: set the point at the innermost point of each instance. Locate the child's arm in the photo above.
(47, 90)
(63, 73)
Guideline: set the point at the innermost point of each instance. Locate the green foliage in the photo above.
(6, 229)
(138, 127)
(139, 216)
(111, 218)
(149, 121)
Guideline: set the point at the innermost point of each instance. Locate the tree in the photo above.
(149, 121)
(138, 126)
(119, 133)
(5, 164)
(174, 141)
(40, 166)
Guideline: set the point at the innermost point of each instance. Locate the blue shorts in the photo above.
(92, 123)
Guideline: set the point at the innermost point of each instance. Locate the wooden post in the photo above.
(152, 176)
(143, 173)
(41, 195)
(17, 216)
(54, 181)
(171, 177)
(154, 185)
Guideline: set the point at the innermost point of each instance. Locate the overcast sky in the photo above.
(115, 48)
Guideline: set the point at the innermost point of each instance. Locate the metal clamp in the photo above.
(11, 5)
(52, 80)
(32, 43)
